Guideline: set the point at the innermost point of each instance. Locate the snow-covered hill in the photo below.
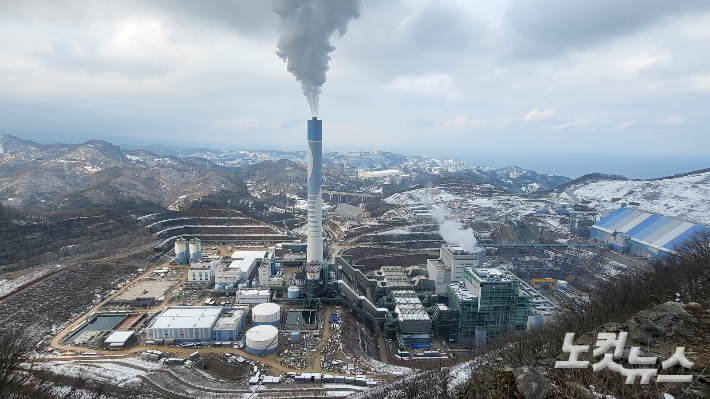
(686, 197)
(420, 196)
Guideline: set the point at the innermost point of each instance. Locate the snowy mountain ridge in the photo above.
(686, 197)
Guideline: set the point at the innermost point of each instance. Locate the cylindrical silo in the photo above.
(181, 251)
(294, 292)
(266, 314)
(195, 249)
(262, 340)
(295, 337)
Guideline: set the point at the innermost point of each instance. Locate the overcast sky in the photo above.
(560, 86)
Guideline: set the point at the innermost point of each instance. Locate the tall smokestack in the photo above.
(315, 191)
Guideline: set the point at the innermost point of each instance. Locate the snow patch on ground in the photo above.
(117, 372)
(9, 285)
(421, 196)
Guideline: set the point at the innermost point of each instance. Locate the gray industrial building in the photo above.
(412, 318)
(391, 278)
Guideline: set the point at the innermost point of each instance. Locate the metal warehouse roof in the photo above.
(655, 231)
(249, 254)
(119, 337)
(187, 317)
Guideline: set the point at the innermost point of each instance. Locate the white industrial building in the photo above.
(439, 273)
(236, 255)
(457, 259)
(252, 297)
(450, 265)
(267, 279)
(202, 270)
(240, 268)
(119, 339)
(197, 323)
(235, 271)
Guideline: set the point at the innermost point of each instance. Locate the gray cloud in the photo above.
(208, 73)
(396, 38)
(543, 28)
(248, 17)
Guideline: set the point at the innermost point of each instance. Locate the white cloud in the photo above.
(136, 37)
(430, 84)
(464, 121)
(575, 123)
(673, 120)
(536, 114)
(637, 62)
(626, 124)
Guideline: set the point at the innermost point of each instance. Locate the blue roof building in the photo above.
(642, 233)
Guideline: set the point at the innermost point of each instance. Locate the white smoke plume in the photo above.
(451, 230)
(305, 28)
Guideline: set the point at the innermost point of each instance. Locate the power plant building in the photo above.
(489, 303)
(413, 320)
(450, 265)
(269, 274)
(202, 271)
(253, 297)
(197, 323)
(235, 271)
(236, 255)
(641, 233)
(455, 257)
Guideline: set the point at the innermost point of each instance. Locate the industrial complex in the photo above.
(279, 300)
(263, 295)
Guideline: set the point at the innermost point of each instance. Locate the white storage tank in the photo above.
(262, 340)
(181, 251)
(195, 249)
(266, 314)
(294, 292)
